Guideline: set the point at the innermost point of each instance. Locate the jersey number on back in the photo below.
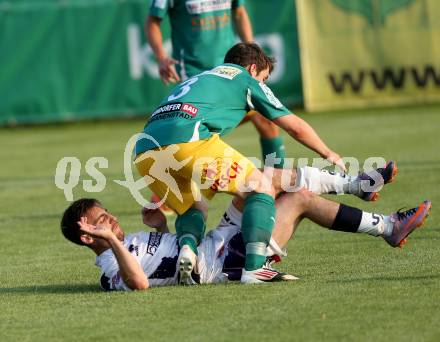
(184, 88)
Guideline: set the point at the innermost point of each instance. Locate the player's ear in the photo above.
(86, 239)
(252, 68)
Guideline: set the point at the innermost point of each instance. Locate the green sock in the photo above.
(190, 241)
(257, 224)
(255, 255)
(273, 145)
(190, 228)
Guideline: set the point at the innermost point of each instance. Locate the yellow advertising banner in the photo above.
(360, 53)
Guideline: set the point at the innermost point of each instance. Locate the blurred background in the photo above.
(368, 71)
(64, 60)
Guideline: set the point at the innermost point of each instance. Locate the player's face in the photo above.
(99, 216)
(263, 75)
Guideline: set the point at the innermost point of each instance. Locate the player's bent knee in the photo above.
(268, 190)
(258, 182)
(283, 179)
(301, 198)
(264, 185)
(304, 197)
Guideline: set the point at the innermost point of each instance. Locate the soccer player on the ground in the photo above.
(146, 259)
(201, 34)
(189, 123)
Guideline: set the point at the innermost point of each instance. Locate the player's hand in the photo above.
(103, 231)
(154, 218)
(167, 70)
(336, 159)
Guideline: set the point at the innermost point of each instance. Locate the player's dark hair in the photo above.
(245, 54)
(71, 216)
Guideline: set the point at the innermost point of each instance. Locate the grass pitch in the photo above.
(352, 286)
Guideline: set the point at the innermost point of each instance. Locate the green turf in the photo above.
(352, 287)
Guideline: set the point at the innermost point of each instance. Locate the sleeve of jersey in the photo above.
(263, 100)
(110, 278)
(237, 3)
(159, 8)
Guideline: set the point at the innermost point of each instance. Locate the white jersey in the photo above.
(157, 253)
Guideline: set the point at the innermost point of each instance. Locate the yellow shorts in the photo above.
(184, 173)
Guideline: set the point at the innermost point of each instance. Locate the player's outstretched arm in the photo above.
(129, 269)
(306, 135)
(167, 71)
(242, 24)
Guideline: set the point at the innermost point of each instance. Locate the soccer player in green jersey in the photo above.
(201, 33)
(182, 156)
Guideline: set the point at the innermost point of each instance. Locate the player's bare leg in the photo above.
(290, 212)
(393, 228)
(291, 208)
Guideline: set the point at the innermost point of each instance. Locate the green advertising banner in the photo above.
(63, 60)
(82, 59)
(360, 53)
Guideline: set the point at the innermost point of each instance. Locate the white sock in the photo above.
(375, 224)
(325, 182)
